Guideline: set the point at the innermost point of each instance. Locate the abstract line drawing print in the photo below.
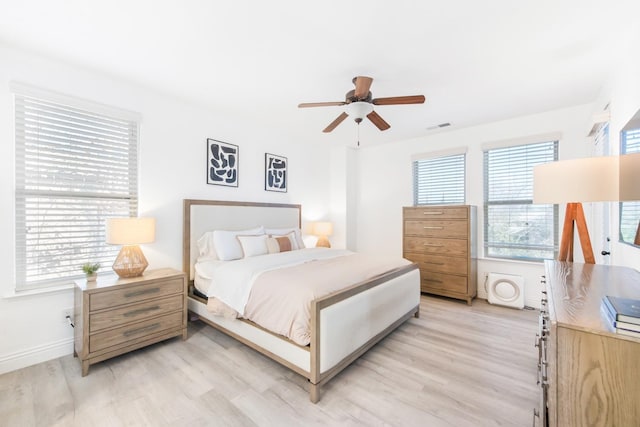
(275, 173)
(222, 163)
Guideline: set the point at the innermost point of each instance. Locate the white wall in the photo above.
(385, 182)
(172, 167)
(622, 92)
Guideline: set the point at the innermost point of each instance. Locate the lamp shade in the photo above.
(630, 177)
(593, 179)
(322, 228)
(130, 231)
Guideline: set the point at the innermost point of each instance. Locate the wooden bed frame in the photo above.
(344, 325)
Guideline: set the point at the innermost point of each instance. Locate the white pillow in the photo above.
(206, 248)
(254, 245)
(297, 239)
(227, 246)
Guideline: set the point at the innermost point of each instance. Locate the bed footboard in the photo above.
(346, 324)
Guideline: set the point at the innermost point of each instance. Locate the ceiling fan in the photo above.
(359, 103)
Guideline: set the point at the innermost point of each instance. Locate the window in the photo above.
(74, 168)
(629, 211)
(513, 226)
(439, 180)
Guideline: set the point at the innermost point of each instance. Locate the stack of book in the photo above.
(624, 314)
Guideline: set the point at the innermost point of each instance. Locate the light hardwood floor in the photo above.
(454, 366)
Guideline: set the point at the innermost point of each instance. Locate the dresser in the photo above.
(589, 375)
(442, 241)
(113, 316)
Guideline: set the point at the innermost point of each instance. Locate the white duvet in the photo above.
(231, 281)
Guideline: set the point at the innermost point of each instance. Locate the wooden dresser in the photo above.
(442, 241)
(590, 376)
(114, 316)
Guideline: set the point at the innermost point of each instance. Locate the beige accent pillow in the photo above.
(277, 244)
(296, 237)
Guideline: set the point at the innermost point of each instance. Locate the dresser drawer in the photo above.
(434, 245)
(439, 263)
(135, 293)
(436, 228)
(434, 212)
(431, 281)
(132, 332)
(134, 313)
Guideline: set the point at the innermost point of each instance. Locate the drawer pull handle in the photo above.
(140, 330)
(431, 227)
(434, 263)
(433, 213)
(143, 292)
(435, 245)
(433, 280)
(141, 311)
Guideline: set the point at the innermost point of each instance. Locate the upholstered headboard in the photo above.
(201, 216)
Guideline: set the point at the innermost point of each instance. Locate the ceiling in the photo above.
(475, 61)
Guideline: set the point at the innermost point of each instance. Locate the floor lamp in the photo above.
(594, 179)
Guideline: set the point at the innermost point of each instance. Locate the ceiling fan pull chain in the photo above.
(358, 131)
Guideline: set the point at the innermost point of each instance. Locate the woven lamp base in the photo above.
(130, 262)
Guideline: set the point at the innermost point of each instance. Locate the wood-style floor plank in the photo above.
(454, 366)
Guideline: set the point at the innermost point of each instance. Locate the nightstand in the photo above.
(114, 316)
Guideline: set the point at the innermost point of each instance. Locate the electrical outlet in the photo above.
(67, 312)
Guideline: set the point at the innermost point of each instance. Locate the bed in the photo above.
(343, 324)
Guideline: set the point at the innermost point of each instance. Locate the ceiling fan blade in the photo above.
(363, 84)
(378, 121)
(320, 104)
(335, 123)
(397, 100)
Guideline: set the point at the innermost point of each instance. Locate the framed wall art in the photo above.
(275, 173)
(222, 163)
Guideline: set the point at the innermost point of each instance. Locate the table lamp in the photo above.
(594, 179)
(322, 230)
(130, 232)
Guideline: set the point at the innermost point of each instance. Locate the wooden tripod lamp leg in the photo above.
(575, 214)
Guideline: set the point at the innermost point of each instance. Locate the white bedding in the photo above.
(234, 279)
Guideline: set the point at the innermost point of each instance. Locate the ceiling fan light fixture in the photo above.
(358, 110)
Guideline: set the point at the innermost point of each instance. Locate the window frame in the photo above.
(524, 202)
(50, 125)
(423, 183)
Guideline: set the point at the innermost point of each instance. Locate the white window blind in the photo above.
(74, 168)
(629, 211)
(513, 226)
(439, 180)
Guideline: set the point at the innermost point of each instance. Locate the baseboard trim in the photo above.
(38, 354)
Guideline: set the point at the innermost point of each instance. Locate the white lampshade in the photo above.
(322, 228)
(130, 231)
(358, 110)
(630, 177)
(594, 179)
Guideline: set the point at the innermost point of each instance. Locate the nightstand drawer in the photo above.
(135, 293)
(115, 337)
(134, 313)
(436, 228)
(434, 245)
(434, 212)
(437, 282)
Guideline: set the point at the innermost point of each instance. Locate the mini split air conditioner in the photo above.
(506, 290)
